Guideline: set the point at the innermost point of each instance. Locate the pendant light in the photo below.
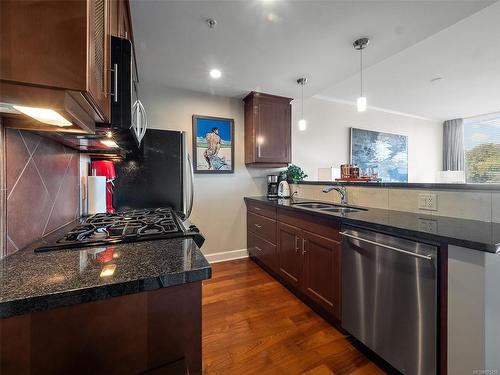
(302, 124)
(360, 45)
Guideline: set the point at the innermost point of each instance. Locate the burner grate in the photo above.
(131, 225)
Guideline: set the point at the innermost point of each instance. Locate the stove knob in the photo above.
(194, 228)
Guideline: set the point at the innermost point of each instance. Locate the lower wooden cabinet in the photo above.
(262, 250)
(321, 276)
(290, 253)
(306, 256)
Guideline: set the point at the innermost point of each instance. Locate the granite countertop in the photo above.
(472, 234)
(32, 282)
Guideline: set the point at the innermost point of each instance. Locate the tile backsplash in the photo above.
(474, 205)
(42, 187)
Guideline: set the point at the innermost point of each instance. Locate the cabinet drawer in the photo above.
(325, 227)
(262, 250)
(262, 226)
(262, 209)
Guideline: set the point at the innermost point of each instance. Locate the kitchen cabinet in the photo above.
(290, 253)
(261, 234)
(262, 250)
(120, 19)
(128, 334)
(267, 130)
(304, 254)
(56, 54)
(321, 275)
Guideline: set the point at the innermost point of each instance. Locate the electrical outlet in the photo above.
(427, 225)
(427, 201)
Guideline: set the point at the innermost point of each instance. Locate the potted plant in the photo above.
(294, 174)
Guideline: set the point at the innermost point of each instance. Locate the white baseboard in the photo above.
(227, 255)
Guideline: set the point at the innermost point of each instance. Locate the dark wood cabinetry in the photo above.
(261, 234)
(306, 255)
(132, 334)
(321, 276)
(121, 25)
(267, 129)
(56, 54)
(289, 253)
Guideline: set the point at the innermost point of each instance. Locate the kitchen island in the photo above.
(123, 308)
(302, 243)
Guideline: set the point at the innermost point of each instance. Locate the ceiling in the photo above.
(266, 45)
(452, 74)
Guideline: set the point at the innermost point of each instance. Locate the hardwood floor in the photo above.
(253, 325)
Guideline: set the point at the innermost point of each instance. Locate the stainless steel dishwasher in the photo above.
(389, 292)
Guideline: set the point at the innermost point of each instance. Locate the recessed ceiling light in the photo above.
(215, 73)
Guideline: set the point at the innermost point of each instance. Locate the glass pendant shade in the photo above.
(361, 104)
(302, 124)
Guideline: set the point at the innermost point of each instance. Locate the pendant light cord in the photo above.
(302, 99)
(361, 69)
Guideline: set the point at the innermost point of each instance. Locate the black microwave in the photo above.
(122, 83)
(128, 115)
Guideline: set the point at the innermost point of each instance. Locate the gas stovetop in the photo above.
(123, 226)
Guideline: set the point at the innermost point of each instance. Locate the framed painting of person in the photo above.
(213, 144)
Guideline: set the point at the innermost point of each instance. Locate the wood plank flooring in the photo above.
(253, 325)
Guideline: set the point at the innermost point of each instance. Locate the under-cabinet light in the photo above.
(45, 115)
(109, 143)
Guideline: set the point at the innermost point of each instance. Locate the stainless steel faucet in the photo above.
(339, 189)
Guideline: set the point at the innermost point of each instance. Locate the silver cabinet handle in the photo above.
(258, 248)
(303, 246)
(296, 244)
(258, 226)
(115, 95)
(428, 257)
(257, 209)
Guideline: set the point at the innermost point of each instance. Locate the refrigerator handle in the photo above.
(189, 207)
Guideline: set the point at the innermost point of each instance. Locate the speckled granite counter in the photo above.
(473, 234)
(32, 282)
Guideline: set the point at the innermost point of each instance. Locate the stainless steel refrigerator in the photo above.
(158, 174)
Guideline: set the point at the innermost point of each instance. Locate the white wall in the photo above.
(218, 210)
(326, 141)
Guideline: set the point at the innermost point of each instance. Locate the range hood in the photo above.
(71, 106)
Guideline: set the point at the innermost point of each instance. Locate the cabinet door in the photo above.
(99, 57)
(289, 253)
(114, 16)
(272, 131)
(124, 28)
(321, 280)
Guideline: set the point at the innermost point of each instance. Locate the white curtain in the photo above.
(453, 145)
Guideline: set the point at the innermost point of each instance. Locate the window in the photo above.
(482, 149)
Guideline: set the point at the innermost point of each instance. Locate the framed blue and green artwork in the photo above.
(213, 144)
(382, 154)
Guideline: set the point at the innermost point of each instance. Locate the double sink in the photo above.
(327, 207)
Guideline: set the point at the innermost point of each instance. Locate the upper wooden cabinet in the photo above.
(121, 24)
(267, 130)
(56, 55)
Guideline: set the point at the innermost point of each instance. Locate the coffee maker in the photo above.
(272, 186)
